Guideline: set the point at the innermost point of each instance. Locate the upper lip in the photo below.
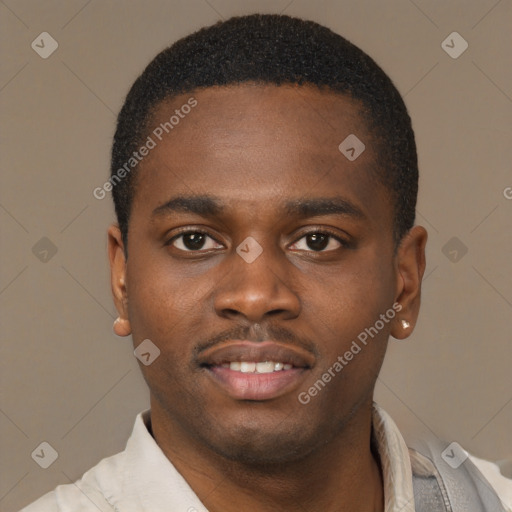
(248, 351)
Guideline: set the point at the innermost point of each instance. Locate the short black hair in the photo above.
(272, 49)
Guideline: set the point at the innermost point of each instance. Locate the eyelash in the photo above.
(323, 231)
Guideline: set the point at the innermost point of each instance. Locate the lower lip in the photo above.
(256, 386)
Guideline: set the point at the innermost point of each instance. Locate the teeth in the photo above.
(257, 367)
(267, 367)
(247, 367)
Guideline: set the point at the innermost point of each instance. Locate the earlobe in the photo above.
(116, 254)
(401, 329)
(410, 266)
(122, 327)
(405, 324)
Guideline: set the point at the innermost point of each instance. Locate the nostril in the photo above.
(275, 312)
(230, 311)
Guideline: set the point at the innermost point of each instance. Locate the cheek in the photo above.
(351, 336)
(349, 329)
(353, 295)
(160, 302)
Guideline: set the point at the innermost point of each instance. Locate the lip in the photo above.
(256, 386)
(246, 351)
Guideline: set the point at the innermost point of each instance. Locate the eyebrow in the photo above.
(209, 206)
(315, 207)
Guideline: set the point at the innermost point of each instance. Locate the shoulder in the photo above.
(88, 494)
(96, 489)
(71, 498)
(446, 473)
(139, 478)
(91, 493)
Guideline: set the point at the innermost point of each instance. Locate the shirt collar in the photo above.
(147, 480)
(395, 463)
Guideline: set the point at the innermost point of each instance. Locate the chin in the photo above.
(271, 446)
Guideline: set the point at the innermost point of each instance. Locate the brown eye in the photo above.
(191, 241)
(318, 241)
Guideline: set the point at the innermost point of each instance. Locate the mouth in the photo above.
(257, 366)
(265, 370)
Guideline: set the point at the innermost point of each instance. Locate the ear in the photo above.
(410, 265)
(116, 255)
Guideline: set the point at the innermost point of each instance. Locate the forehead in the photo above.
(257, 143)
(247, 115)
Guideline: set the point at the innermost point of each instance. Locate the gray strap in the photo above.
(440, 488)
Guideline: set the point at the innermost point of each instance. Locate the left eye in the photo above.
(193, 241)
(318, 242)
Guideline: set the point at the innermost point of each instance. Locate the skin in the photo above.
(254, 148)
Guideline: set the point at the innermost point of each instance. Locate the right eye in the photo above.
(192, 241)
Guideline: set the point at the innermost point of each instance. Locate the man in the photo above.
(264, 175)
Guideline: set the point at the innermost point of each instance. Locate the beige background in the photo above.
(67, 380)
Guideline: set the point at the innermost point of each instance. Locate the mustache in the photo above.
(257, 333)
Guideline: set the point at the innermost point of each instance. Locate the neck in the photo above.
(342, 475)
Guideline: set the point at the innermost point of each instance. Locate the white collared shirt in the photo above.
(141, 478)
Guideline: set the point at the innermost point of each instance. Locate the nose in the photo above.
(257, 289)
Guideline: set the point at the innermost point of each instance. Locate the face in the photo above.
(257, 255)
